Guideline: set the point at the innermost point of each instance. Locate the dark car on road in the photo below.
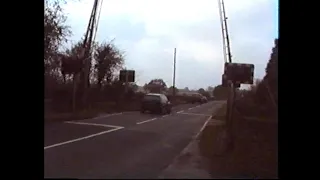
(196, 98)
(156, 103)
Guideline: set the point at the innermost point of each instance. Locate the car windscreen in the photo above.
(151, 98)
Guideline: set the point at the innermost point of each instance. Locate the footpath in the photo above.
(188, 165)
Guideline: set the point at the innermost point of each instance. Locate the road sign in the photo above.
(127, 75)
(239, 73)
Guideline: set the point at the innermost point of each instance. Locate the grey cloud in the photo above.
(190, 73)
(122, 28)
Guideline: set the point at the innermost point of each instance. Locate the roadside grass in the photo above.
(56, 117)
(255, 154)
(220, 114)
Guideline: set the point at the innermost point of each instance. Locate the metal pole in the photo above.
(227, 34)
(87, 59)
(174, 73)
(223, 32)
(230, 101)
(126, 83)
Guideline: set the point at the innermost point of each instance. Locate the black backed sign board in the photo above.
(238, 73)
(127, 75)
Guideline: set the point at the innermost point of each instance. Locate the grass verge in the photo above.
(255, 154)
(220, 114)
(56, 117)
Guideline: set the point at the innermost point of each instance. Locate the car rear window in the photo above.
(151, 98)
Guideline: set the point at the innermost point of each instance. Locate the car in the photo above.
(196, 98)
(204, 99)
(156, 103)
(211, 98)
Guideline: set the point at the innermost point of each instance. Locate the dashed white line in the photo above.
(146, 121)
(82, 138)
(164, 116)
(196, 114)
(93, 124)
(180, 111)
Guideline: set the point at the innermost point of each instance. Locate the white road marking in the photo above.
(202, 128)
(107, 115)
(180, 111)
(104, 116)
(93, 124)
(82, 138)
(190, 108)
(146, 121)
(165, 116)
(196, 114)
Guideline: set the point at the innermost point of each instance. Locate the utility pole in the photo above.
(174, 73)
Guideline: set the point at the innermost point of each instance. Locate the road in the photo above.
(124, 145)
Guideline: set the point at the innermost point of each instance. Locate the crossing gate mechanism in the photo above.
(238, 73)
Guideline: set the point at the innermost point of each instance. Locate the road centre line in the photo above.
(195, 114)
(147, 121)
(164, 116)
(82, 138)
(179, 112)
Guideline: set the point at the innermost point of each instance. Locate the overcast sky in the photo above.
(149, 30)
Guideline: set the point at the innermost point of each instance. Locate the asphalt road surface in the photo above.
(123, 145)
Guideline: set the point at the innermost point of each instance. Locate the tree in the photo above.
(145, 87)
(201, 91)
(156, 86)
(267, 90)
(254, 86)
(204, 92)
(108, 59)
(210, 89)
(271, 77)
(55, 33)
(133, 86)
(221, 92)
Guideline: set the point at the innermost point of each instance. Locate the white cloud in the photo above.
(149, 30)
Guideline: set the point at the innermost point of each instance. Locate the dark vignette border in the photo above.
(23, 125)
(23, 92)
(296, 75)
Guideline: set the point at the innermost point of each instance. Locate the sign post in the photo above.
(125, 77)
